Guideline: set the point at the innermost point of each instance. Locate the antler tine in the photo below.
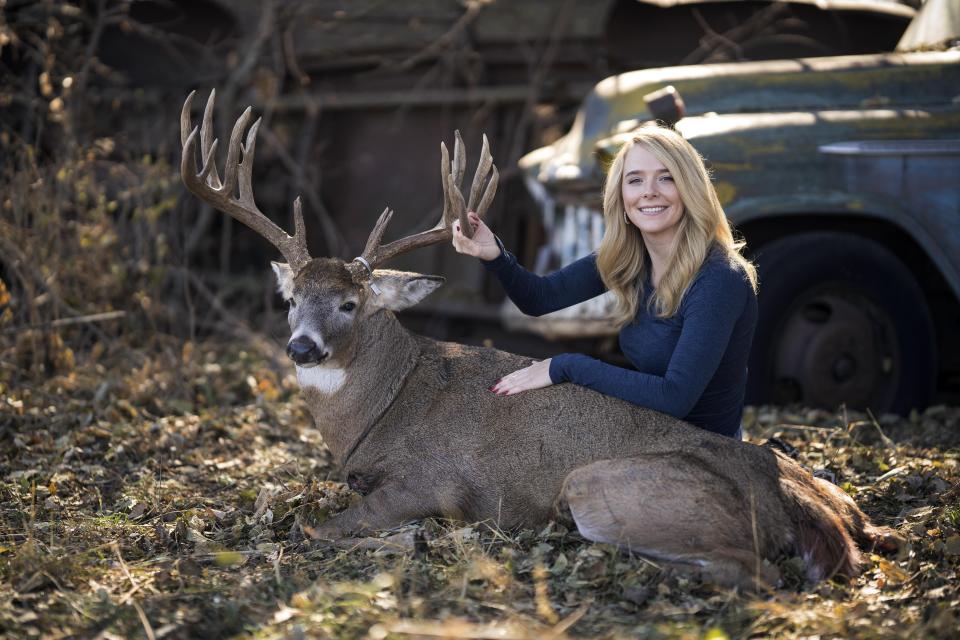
(209, 162)
(454, 208)
(299, 230)
(206, 137)
(188, 158)
(459, 159)
(488, 193)
(206, 185)
(245, 168)
(231, 168)
(185, 124)
(371, 252)
(446, 219)
(459, 207)
(483, 170)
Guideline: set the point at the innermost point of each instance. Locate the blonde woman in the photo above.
(686, 299)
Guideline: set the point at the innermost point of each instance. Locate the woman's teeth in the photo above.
(651, 210)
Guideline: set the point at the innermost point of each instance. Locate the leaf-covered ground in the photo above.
(159, 492)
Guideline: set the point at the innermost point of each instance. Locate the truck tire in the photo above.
(841, 322)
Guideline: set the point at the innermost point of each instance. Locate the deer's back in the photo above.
(505, 458)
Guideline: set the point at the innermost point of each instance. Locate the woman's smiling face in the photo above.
(650, 196)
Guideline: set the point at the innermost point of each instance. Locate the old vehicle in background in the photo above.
(337, 80)
(843, 175)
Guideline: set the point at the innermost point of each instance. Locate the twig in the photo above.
(334, 238)
(213, 299)
(561, 627)
(441, 43)
(537, 77)
(147, 629)
(62, 322)
(241, 328)
(756, 537)
(129, 594)
(24, 268)
(712, 36)
(276, 566)
(123, 565)
(889, 474)
(63, 592)
(267, 23)
(92, 44)
(887, 442)
(754, 24)
(803, 427)
(143, 619)
(290, 58)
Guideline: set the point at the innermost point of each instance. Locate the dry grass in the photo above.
(157, 492)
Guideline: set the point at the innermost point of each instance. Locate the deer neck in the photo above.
(371, 381)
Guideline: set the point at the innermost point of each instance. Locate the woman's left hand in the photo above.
(536, 376)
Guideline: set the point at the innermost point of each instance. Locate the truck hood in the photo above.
(616, 106)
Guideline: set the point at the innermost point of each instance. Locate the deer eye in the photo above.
(348, 306)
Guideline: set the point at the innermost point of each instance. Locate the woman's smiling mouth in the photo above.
(650, 211)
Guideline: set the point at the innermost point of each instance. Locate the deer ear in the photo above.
(284, 279)
(401, 289)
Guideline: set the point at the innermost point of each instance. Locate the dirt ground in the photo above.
(158, 491)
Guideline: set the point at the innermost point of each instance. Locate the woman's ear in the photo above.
(401, 289)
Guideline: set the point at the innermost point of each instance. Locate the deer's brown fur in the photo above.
(414, 428)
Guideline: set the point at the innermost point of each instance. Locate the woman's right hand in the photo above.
(482, 245)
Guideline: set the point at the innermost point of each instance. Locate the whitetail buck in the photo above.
(415, 430)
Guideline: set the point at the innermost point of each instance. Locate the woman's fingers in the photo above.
(462, 243)
(536, 376)
(482, 245)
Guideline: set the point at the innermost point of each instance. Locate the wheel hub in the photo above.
(836, 347)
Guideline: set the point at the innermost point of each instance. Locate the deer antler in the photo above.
(454, 208)
(206, 184)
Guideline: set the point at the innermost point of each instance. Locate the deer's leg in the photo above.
(386, 507)
(673, 509)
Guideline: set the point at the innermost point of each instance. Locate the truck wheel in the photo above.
(841, 321)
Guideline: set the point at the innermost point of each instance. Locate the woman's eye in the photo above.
(348, 306)
(666, 178)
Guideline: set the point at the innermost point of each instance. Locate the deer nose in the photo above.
(303, 350)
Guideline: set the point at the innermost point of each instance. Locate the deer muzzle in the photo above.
(305, 352)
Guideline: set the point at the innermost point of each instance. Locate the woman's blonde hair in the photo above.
(621, 258)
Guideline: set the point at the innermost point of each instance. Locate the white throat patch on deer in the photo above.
(323, 379)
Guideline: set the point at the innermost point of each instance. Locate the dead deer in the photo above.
(415, 431)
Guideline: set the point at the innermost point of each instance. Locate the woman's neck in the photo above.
(660, 249)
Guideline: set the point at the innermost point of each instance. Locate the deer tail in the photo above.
(824, 542)
(826, 522)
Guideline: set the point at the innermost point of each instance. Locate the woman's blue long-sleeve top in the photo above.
(692, 365)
